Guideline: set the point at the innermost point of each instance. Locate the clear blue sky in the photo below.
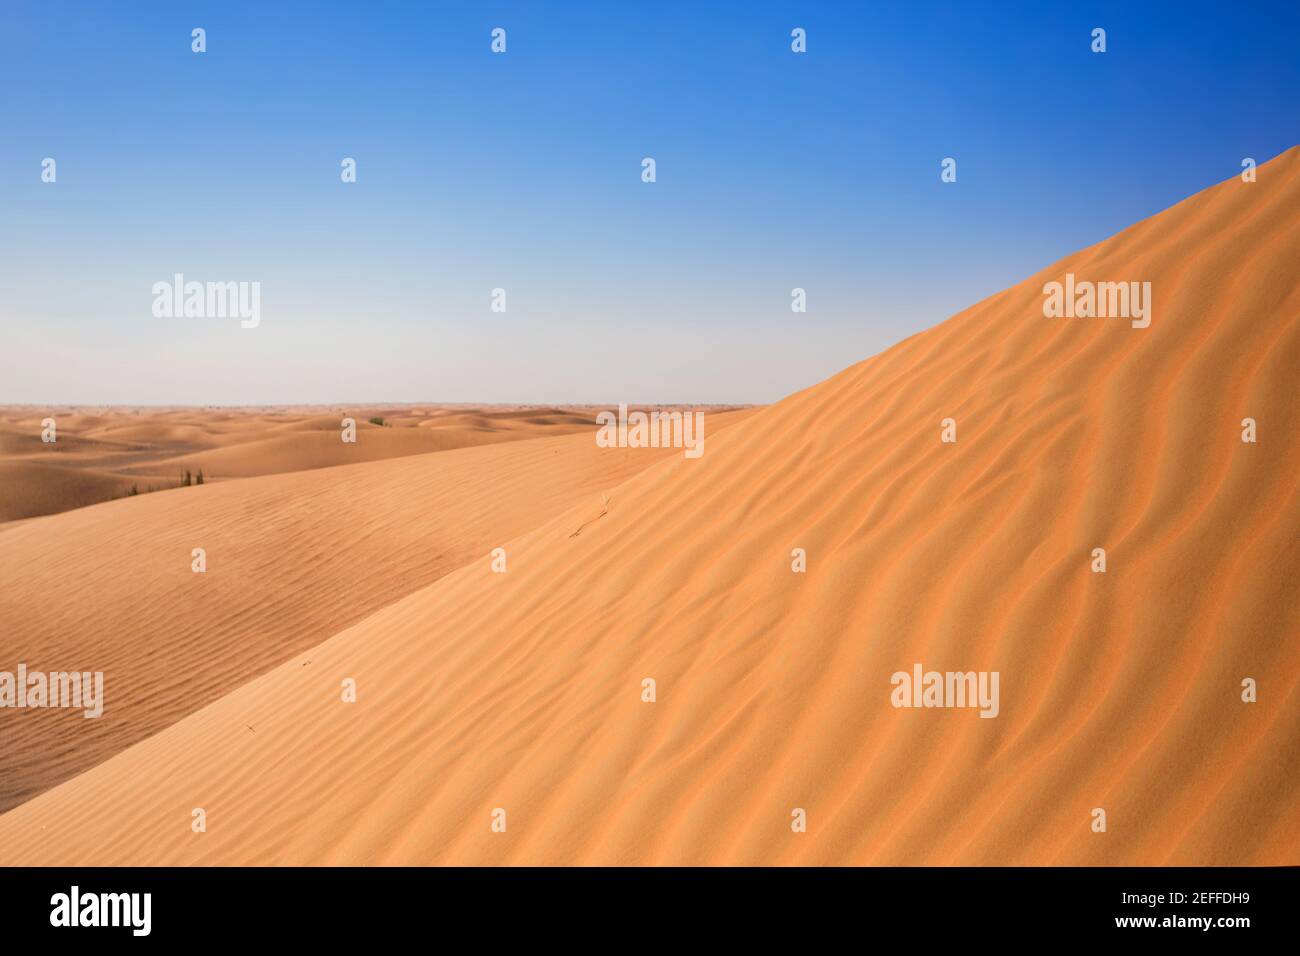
(522, 171)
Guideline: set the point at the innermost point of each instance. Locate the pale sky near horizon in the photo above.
(522, 171)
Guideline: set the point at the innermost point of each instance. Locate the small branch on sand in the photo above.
(603, 511)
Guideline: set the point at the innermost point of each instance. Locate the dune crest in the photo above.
(1119, 690)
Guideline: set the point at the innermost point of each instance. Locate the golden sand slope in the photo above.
(291, 559)
(1119, 690)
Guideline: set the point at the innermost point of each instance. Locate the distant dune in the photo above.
(523, 691)
(102, 455)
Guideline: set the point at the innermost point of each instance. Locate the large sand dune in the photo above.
(1119, 691)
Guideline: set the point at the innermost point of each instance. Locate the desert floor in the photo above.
(484, 696)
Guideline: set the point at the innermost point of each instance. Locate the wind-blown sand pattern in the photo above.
(294, 559)
(1118, 690)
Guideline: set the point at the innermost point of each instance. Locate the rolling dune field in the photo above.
(102, 454)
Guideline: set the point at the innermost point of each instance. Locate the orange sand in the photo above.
(523, 690)
(292, 559)
(101, 453)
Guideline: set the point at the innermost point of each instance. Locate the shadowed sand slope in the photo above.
(1118, 690)
(40, 488)
(291, 560)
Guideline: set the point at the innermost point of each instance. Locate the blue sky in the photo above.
(522, 171)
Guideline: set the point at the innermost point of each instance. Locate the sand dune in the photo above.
(300, 451)
(292, 559)
(1119, 691)
(103, 455)
(39, 488)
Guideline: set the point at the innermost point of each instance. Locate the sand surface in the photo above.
(523, 690)
(104, 453)
(291, 560)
